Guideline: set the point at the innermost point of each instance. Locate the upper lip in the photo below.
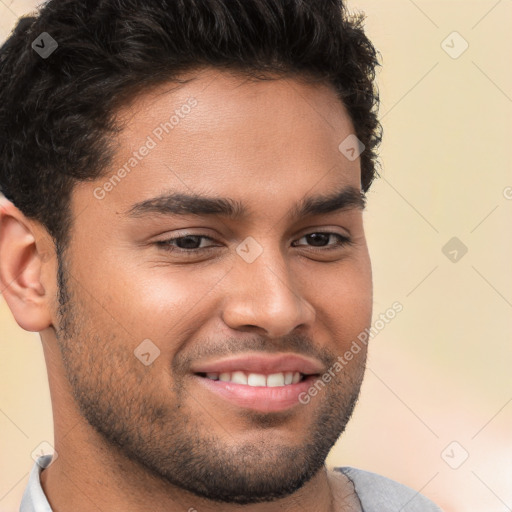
(261, 363)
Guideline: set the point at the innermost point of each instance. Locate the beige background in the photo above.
(440, 371)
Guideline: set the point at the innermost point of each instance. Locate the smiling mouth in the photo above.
(256, 379)
(262, 392)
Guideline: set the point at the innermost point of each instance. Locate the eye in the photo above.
(191, 244)
(321, 239)
(185, 244)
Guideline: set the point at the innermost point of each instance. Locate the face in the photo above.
(181, 322)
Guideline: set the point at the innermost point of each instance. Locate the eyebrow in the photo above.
(195, 204)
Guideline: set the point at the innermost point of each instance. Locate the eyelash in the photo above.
(166, 244)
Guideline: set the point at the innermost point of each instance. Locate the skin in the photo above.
(135, 437)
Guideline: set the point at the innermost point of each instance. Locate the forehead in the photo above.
(230, 92)
(219, 133)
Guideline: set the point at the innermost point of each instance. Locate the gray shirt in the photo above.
(376, 493)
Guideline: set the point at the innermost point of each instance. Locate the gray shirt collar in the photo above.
(34, 499)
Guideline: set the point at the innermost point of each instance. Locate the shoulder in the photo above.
(378, 493)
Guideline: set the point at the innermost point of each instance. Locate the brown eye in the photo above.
(321, 239)
(184, 244)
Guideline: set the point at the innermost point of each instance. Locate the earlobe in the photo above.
(21, 263)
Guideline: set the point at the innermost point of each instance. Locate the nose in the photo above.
(265, 296)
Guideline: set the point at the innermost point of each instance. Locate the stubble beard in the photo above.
(114, 394)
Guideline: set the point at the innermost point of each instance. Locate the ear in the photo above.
(23, 252)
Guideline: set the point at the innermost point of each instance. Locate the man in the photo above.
(185, 183)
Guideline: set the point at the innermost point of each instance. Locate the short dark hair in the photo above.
(56, 113)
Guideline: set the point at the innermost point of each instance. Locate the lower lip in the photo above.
(258, 398)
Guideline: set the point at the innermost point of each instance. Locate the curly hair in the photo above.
(57, 114)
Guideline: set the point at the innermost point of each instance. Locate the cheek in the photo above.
(342, 295)
(157, 301)
(356, 293)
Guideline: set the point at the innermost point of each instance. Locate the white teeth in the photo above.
(239, 378)
(275, 379)
(257, 379)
